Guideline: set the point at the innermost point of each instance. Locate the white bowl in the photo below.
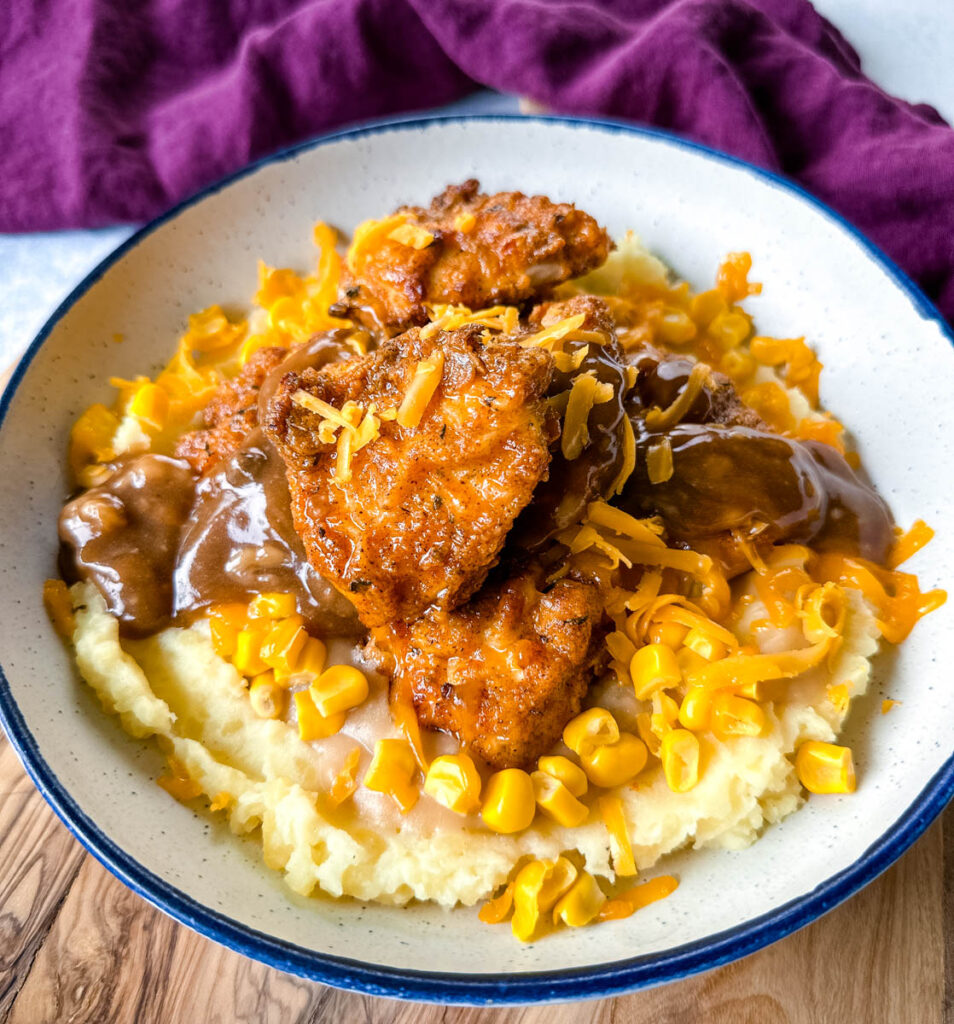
(889, 370)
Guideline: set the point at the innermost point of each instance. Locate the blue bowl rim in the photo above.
(604, 980)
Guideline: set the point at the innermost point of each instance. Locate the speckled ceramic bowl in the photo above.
(889, 372)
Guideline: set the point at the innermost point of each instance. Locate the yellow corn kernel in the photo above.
(706, 646)
(825, 767)
(272, 606)
(557, 801)
(646, 734)
(339, 688)
(615, 763)
(665, 713)
(536, 889)
(695, 709)
(150, 405)
(233, 613)
(580, 903)
(283, 645)
(736, 716)
(392, 771)
(247, 657)
(594, 728)
(267, 697)
(311, 661)
(312, 725)
(729, 329)
(59, 607)
(689, 662)
(675, 326)
(223, 637)
(764, 689)
(571, 775)
(679, 753)
(611, 807)
(706, 306)
(226, 621)
(665, 631)
(509, 804)
(452, 780)
(654, 667)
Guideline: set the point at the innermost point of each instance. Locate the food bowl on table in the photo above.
(888, 365)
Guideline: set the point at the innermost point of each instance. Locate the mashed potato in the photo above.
(175, 687)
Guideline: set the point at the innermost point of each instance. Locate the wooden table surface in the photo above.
(77, 946)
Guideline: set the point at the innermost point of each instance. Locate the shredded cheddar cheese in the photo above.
(611, 807)
(909, 543)
(427, 377)
(585, 392)
(659, 465)
(663, 419)
(629, 459)
(368, 236)
(549, 337)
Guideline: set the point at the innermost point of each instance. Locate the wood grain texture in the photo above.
(77, 946)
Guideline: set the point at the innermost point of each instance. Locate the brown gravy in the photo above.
(239, 540)
(560, 500)
(733, 478)
(161, 545)
(123, 536)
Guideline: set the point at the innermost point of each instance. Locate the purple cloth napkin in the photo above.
(111, 110)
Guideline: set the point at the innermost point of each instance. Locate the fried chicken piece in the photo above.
(424, 513)
(505, 672)
(504, 248)
(231, 413)
(596, 311)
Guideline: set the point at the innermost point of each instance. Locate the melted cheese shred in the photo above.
(427, 376)
(585, 392)
(663, 419)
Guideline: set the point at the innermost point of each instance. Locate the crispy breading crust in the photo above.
(231, 413)
(503, 248)
(505, 672)
(427, 508)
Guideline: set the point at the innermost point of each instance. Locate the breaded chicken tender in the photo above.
(470, 249)
(421, 512)
(505, 672)
(231, 413)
